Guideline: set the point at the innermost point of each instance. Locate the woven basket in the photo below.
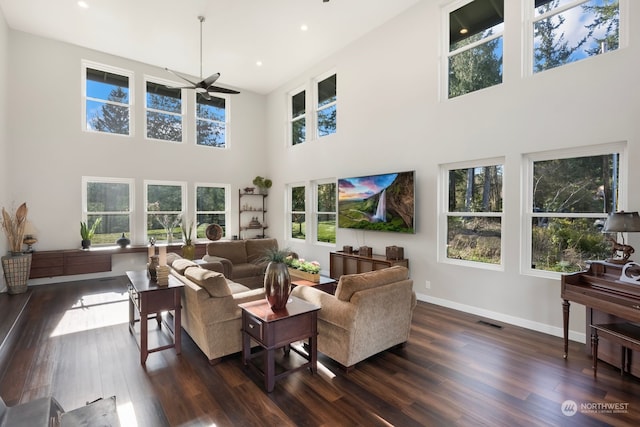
(16, 270)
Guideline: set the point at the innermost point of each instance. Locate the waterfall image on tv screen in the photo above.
(377, 202)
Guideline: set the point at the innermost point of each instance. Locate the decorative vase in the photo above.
(123, 242)
(85, 243)
(277, 285)
(152, 266)
(189, 251)
(16, 268)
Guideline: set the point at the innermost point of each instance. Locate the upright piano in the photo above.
(608, 300)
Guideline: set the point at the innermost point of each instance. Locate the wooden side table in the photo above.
(273, 330)
(146, 297)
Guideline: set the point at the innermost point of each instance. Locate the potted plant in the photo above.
(188, 249)
(277, 282)
(17, 265)
(87, 232)
(263, 184)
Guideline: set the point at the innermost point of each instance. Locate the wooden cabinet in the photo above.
(343, 263)
(251, 215)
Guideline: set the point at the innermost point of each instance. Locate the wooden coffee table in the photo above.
(326, 284)
(273, 330)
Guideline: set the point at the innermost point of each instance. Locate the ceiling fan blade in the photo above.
(211, 79)
(218, 89)
(205, 95)
(179, 87)
(175, 73)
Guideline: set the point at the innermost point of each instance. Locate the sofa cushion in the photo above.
(234, 251)
(257, 248)
(171, 257)
(212, 281)
(352, 283)
(181, 264)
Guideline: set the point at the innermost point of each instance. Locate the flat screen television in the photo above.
(382, 202)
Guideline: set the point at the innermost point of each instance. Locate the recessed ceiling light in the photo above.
(258, 63)
(304, 27)
(463, 31)
(83, 4)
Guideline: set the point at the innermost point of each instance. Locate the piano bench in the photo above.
(625, 334)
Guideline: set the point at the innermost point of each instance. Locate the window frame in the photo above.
(316, 212)
(147, 212)
(226, 212)
(163, 82)
(291, 212)
(84, 65)
(445, 214)
(292, 119)
(316, 100)
(527, 213)
(110, 180)
(226, 123)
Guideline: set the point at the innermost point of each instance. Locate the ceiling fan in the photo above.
(204, 87)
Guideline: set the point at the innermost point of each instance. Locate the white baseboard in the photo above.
(512, 320)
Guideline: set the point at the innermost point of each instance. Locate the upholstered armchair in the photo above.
(369, 313)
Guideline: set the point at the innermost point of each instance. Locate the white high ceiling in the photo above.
(236, 33)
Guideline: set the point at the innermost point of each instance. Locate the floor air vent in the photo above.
(493, 325)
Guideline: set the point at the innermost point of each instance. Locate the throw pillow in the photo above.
(180, 265)
(212, 281)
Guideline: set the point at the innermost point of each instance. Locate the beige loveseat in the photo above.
(369, 313)
(240, 259)
(210, 312)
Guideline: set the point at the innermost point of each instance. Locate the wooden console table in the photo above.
(343, 263)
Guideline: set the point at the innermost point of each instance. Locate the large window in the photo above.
(325, 212)
(472, 223)
(569, 196)
(110, 201)
(326, 106)
(297, 212)
(108, 99)
(566, 31)
(211, 207)
(164, 112)
(212, 121)
(474, 58)
(298, 117)
(164, 209)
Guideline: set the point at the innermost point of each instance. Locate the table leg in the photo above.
(269, 370)
(565, 324)
(144, 338)
(246, 348)
(132, 318)
(177, 324)
(594, 351)
(313, 353)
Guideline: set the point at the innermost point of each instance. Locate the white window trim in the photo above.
(183, 104)
(130, 182)
(291, 119)
(227, 205)
(289, 210)
(316, 212)
(527, 196)
(146, 183)
(443, 213)
(227, 122)
(109, 69)
(315, 110)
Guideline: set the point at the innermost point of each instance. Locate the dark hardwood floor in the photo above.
(455, 370)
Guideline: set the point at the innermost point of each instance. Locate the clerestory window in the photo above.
(165, 112)
(108, 99)
(212, 121)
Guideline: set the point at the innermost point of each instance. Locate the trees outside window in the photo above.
(164, 209)
(108, 99)
(570, 195)
(325, 212)
(326, 105)
(566, 31)
(473, 215)
(164, 112)
(111, 201)
(297, 213)
(211, 207)
(212, 121)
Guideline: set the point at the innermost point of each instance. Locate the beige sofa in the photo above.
(240, 259)
(370, 312)
(210, 312)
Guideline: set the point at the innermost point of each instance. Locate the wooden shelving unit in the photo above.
(251, 214)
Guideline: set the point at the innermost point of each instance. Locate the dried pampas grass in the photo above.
(14, 227)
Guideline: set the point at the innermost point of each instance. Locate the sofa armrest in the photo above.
(248, 296)
(334, 311)
(227, 266)
(211, 265)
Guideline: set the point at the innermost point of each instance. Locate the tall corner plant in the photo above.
(14, 226)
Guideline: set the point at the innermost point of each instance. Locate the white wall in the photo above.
(391, 119)
(4, 158)
(50, 152)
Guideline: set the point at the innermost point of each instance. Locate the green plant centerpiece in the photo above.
(277, 282)
(300, 268)
(87, 233)
(263, 184)
(16, 266)
(188, 248)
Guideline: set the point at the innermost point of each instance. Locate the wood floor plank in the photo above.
(455, 370)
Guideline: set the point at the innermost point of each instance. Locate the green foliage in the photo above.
(275, 255)
(475, 68)
(112, 118)
(262, 182)
(87, 232)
